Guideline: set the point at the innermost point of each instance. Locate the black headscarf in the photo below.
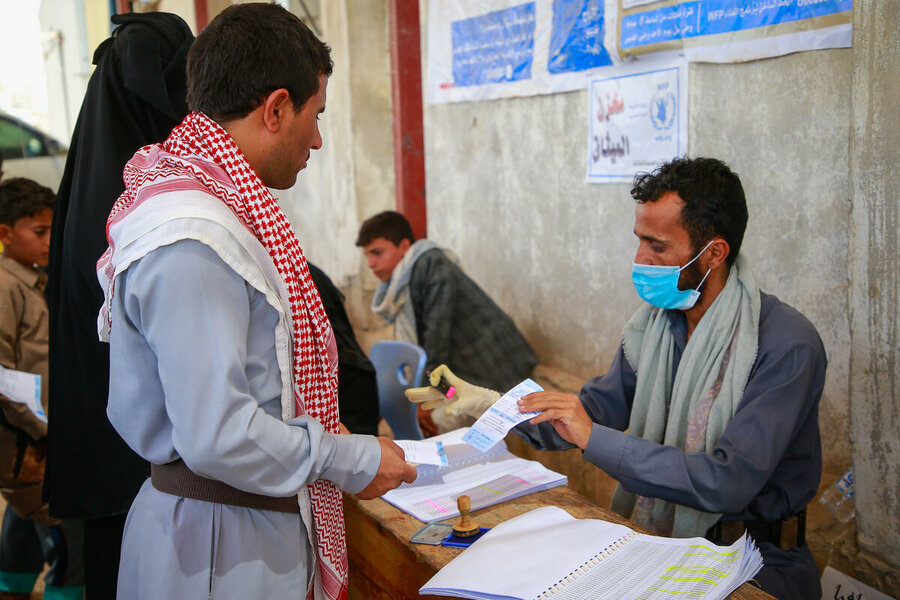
(135, 97)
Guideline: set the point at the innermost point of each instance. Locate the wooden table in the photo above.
(384, 565)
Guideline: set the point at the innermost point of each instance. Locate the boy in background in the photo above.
(434, 304)
(29, 537)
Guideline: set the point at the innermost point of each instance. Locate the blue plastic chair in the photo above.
(398, 366)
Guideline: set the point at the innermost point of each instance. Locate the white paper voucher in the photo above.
(24, 388)
(503, 415)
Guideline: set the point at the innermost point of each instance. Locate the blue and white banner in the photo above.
(638, 119)
(495, 47)
(486, 49)
(577, 37)
(733, 30)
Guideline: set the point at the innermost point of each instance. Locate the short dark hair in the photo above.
(389, 225)
(21, 198)
(247, 52)
(714, 202)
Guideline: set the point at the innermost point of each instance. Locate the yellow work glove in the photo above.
(468, 399)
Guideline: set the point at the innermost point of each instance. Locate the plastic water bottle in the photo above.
(838, 498)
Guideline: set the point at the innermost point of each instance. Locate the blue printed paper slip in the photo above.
(496, 422)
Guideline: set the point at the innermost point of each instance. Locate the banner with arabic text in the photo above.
(486, 49)
(732, 30)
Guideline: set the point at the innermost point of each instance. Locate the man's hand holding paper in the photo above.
(503, 415)
(564, 411)
(392, 471)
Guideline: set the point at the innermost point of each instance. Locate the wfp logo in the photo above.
(662, 110)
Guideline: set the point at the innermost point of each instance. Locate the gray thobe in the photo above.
(194, 375)
(767, 464)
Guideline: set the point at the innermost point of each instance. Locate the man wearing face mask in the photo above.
(717, 383)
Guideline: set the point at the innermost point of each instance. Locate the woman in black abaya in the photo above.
(135, 97)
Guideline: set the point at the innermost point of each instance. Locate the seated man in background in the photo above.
(432, 303)
(717, 383)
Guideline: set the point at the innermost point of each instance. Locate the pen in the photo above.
(444, 386)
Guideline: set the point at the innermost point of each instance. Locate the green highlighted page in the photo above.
(547, 554)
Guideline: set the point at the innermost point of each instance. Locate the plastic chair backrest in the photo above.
(398, 366)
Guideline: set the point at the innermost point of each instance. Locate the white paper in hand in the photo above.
(496, 422)
(24, 388)
(423, 452)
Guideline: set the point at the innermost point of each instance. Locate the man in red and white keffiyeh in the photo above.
(223, 368)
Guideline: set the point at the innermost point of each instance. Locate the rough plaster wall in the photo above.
(373, 151)
(875, 277)
(783, 126)
(351, 177)
(325, 191)
(506, 191)
(373, 127)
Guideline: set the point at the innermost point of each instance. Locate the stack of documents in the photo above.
(547, 554)
(488, 478)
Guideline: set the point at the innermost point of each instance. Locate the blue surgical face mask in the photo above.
(659, 285)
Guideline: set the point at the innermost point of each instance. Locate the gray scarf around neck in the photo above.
(692, 411)
(392, 302)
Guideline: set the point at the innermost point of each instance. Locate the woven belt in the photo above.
(786, 533)
(176, 479)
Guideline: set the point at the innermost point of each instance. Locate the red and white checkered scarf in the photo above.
(200, 155)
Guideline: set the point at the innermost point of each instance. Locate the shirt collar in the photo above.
(31, 276)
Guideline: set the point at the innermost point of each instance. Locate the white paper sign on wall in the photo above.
(638, 120)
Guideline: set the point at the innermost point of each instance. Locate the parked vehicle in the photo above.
(29, 152)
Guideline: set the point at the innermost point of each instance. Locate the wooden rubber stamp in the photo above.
(466, 526)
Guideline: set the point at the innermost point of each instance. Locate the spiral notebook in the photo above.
(547, 554)
(488, 478)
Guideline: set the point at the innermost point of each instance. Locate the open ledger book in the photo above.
(548, 554)
(488, 478)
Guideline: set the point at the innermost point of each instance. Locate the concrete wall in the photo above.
(519, 164)
(352, 176)
(791, 152)
(875, 283)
